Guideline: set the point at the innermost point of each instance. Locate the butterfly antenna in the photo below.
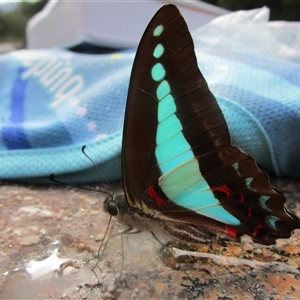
(52, 178)
(86, 155)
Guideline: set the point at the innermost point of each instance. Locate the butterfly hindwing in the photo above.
(177, 151)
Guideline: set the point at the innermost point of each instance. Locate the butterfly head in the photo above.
(115, 204)
(111, 207)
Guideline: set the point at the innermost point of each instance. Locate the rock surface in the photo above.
(50, 236)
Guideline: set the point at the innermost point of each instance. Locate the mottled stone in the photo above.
(30, 240)
(73, 221)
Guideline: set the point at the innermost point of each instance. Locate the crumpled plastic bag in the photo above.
(256, 69)
(252, 31)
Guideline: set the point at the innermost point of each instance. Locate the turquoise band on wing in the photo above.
(158, 72)
(158, 30)
(158, 51)
(181, 179)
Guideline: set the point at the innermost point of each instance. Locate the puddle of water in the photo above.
(60, 277)
(40, 268)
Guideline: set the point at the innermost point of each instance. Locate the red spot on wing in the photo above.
(154, 195)
(242, 198)
(222, 188)
(256, 230)
(231, 231)
(249, 211)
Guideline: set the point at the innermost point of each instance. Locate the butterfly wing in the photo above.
(140, 168)
(177, 152)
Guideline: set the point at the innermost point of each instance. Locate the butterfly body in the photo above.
(181, 174)
(137, 218)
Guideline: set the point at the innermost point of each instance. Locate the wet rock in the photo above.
(36, 220)
(30, 240)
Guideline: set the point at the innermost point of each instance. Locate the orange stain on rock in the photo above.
(285, 285)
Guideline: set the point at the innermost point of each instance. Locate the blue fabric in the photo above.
(52, 102)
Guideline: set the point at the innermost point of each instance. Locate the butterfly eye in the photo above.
(112, 208)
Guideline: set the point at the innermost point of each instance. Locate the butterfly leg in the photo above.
(128, 230)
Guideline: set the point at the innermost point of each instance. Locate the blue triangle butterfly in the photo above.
(181, 174)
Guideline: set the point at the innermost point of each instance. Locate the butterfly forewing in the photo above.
(182, 74)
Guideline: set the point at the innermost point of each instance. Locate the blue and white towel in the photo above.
(52, 102)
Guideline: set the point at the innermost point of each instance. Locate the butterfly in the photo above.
(181, 174)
